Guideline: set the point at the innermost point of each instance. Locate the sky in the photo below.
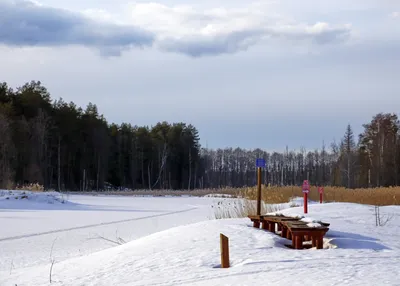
(253, 74)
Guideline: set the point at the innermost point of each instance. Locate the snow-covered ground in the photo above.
(175, 241)
(31, 222)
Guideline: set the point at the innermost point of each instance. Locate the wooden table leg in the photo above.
(298, 241)
(284, 232)
(288, 234)
(320, 242)
(264, 225)
(272, 227)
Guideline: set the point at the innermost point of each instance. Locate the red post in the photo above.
(320, 191)
(306, 189)
(305, 203)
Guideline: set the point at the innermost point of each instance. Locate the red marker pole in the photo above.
(306, 189)
(320, 191)
(305, 203)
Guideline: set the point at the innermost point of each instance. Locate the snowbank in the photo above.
(10, 199)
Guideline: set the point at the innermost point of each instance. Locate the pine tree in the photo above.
(348, 148)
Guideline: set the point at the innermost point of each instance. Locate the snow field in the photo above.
(29, 227)
(183, 248)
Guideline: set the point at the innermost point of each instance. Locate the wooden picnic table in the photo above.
(293, 229)
(300, 232)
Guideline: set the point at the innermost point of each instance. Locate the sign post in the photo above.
(260, 163)
(321, 192)
(306, 190)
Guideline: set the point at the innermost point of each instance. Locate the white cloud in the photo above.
(183, 29)
(395, 15)
(221, 30)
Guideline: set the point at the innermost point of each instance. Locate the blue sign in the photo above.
(260, 163)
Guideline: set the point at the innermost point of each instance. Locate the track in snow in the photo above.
(91, 225)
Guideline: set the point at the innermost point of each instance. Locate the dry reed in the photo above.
(371, 196)
(31, 187)
(227, 192)
(278, 195)
(240, 208)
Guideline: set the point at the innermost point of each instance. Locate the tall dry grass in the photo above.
(30, 187)
(228, 192)
(372, 196)
(240, 208)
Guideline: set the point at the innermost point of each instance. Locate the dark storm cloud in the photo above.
(23, 23)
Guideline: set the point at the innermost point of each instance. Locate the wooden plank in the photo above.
(305, 227)
(280, 219)
(292, 223)
(258, 217)
(312, 232)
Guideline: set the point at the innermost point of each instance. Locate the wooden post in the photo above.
(259, 191)
(224, 251)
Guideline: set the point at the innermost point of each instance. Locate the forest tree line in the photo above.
(64, 147)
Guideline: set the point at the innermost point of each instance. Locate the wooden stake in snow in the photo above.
(224, 251)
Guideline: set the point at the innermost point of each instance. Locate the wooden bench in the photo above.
(292, 229)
